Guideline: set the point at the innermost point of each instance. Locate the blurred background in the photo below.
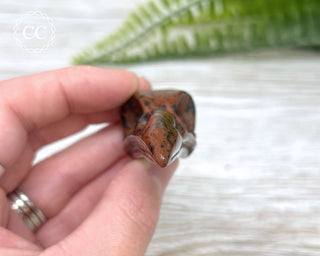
(252, 185)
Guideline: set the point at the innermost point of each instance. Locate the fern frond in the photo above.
(176, 28)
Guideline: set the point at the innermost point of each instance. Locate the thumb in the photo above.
(125, 219)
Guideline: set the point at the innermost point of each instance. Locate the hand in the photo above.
(96, 199)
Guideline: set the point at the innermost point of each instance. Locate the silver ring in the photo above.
(32, 216)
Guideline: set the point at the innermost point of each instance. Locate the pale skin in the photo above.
(97, 200)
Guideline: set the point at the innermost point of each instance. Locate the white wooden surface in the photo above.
(252, 187)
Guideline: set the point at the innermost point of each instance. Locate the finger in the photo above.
(124, 220)
(53, 182)
(17, 172)
(7, 238)
(144, 84)
(76, 122)
(82, 203)
(38, 100)
(10, 240)
(68, 126)
(47, 97)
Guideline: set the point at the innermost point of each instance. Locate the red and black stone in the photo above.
(159, 125)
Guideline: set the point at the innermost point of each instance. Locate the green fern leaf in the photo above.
(179, 28)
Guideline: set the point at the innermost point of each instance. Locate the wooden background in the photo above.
(252, 185)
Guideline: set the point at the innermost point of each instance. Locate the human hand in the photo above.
(97, 200)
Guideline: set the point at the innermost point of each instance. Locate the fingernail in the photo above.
(162, 176)
(136, 82)
(144, 83)
(145, 162)
(1, 170)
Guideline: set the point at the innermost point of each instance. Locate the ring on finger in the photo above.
(31, 215)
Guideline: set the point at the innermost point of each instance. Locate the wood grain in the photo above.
(252, 185)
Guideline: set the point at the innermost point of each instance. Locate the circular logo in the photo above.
(34, 31)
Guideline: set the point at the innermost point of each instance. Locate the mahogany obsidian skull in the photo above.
(159, 125)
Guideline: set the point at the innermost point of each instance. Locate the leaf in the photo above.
(177, 28)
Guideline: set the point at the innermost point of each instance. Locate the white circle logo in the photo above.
(34, 31)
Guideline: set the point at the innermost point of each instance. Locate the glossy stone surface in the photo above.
(159, 125)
